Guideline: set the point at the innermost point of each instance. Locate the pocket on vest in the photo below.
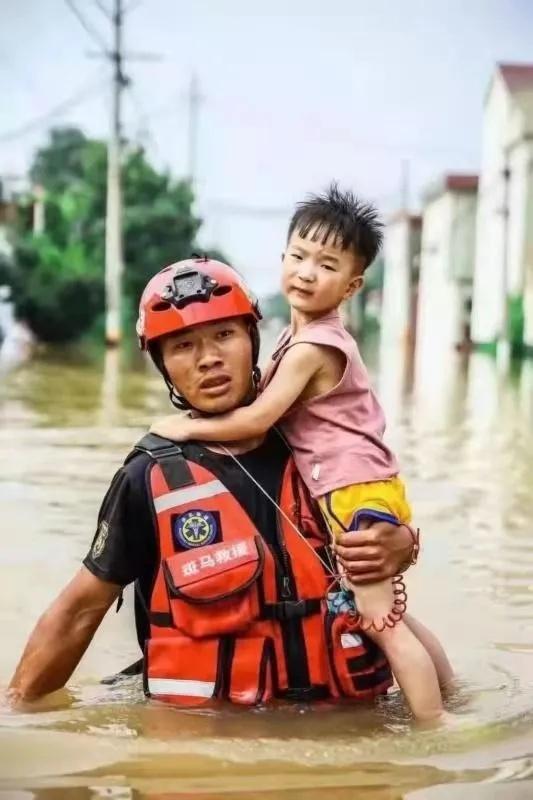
(178, 670)
(357, 667)
(190, 672)
(213, 590)
(252, 671)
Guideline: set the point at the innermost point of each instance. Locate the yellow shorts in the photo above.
(343, 508)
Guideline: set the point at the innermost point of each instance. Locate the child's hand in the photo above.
(174, 427)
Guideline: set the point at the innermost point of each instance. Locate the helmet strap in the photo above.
(176, 399)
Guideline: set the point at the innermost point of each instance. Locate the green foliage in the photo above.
(515, 323)
(61, 162)
(159, 227)
(53, 289)
(374, 274)
(275, 305)
(58, 278)
(6, 271)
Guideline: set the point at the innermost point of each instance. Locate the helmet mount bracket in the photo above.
(189, 286)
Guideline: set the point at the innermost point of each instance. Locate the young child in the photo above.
(317, 387)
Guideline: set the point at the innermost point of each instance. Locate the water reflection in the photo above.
(526, 391)
(464, 435)
(111, 383)
(395, 380)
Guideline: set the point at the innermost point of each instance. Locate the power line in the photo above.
(240, 209)
(37, 122)
(93, 33)
(242, 109)
(145, 131)
(132, 6)
(103, 8)
(114, 262)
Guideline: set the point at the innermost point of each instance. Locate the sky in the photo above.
(294, 94)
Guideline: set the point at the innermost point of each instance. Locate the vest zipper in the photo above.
(286, 588)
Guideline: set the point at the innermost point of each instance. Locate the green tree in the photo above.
(62, 161)
(159, 226)
(58, 276)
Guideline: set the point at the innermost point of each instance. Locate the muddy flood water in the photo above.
(464, 433)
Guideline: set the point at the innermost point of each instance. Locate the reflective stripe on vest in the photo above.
(188, 495)
(168, 686)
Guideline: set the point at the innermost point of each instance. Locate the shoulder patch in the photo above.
(101, 539)
(195, 528)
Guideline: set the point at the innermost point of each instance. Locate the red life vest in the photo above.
(238, 620)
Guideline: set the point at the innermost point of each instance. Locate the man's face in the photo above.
(210, 365)
(317, 277)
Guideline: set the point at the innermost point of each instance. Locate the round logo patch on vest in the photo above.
(195, 528)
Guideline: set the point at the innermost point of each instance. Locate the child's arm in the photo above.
(299, 364)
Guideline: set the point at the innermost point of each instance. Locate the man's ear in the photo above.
(282, 256)
(355, 285)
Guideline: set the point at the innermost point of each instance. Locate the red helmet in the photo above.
(190, 293)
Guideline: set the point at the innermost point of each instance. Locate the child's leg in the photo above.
(435, 649)
(410, 662)
(413, 668)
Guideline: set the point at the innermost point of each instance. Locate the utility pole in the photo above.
(194, 100)
(38, 210)
(114, 264)
(114, 260)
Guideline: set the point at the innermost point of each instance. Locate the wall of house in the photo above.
(400, 241)
(519, 180)
(463, 237)
(488, 283)
(526, 249)
(503, 280)
(437, 316)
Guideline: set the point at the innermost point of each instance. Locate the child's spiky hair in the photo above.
(351, 223)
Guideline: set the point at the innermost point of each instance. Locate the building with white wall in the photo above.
(446, 266)
(503, 278)
(400, 277)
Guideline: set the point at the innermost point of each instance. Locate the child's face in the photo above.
(317, 277)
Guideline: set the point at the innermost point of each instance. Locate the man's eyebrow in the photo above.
(180, 336)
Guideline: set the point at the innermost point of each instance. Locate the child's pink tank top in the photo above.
(337, 438)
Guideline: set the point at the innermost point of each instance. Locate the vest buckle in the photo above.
(291, 609)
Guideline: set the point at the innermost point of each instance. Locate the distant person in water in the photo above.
(317, 388)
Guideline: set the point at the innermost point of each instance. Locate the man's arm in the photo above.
(62, 636)
(379, 552)
(299, 364)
